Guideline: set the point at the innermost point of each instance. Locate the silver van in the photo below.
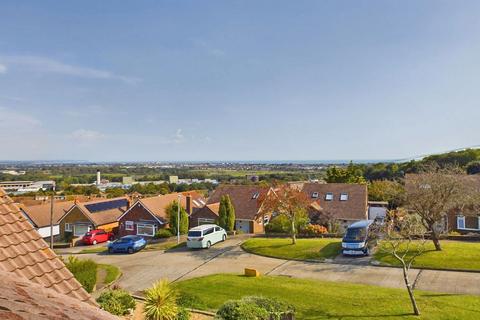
(355, 240)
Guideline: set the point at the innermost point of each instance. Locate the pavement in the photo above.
(143, 268)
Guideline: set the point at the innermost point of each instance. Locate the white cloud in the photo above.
(87, 111)
(210, 50)
(10, 119)
(85, 135)
(53, 66)
(178, 137)
(3, 69)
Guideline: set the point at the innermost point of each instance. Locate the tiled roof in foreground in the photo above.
(23, 299)
(25, 253)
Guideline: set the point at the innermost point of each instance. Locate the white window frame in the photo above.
(205, 221)
(462, 219)
(129, 225)
(343, 196)
(143, 225)
(89, 228)
(69, 227)
(329, 196)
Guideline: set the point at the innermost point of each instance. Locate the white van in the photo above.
(205, 236)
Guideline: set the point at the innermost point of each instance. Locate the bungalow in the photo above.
(39, 216)
(246, 200)
(97, 214)
(147, 215)
(344, 203)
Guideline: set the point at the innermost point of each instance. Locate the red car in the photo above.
(97, 236)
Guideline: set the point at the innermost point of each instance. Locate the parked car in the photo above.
(128, 244)
(205, 236)
(355, 241)
(97, 236)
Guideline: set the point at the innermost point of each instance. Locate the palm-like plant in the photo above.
(161, 302)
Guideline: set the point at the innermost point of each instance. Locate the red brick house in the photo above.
(246, 200)
(147, 215)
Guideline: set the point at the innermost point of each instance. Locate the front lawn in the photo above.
(304, 249)
(327, 300)
(455, 255)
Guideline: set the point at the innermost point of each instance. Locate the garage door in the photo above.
(243, 225)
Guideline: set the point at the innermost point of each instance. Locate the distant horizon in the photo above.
(271, 161)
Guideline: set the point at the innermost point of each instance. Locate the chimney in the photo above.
(188, 204)
(98, 178)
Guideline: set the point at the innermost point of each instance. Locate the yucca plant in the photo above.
(161, 302)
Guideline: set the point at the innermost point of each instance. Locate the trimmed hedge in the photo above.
(85, 271)
(163, 233)
(255, 308)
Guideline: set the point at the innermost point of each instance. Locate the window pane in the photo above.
(145, 229)
(81, 229)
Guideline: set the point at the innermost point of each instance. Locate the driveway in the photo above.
(141, 269)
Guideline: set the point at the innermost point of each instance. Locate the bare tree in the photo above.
(403, 237)
(289, 201)
(436, 191)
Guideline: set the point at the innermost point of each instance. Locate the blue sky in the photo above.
(237, 80)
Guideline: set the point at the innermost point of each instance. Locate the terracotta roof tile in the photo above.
(354, 208)
(22, 299)
(24, 253)
(245, 203)
(40, 214)
(158, 204)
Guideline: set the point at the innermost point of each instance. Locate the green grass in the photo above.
(165, 245)
(94, 250)
(328, 300)
(112, 273)
(305, 249)
(454, 255)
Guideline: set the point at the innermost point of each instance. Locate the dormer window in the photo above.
(343, 196)
(329, 196)
(255, 195)
(315, 195)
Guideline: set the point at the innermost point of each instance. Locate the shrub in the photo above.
(314, 230)
(161, 302)
(238, 309)
(68, 236)
(85, 271)
(254, 308)
(183, 314)
(118, 302)
(281, 224)
(163, 233)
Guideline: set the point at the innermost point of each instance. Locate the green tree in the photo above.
(226, 214)
(385, 190)
(172, 213)
(230, 221)
(223, 212)
(351, 174)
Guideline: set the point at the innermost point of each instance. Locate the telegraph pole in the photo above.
(51, 217)
(178, 218)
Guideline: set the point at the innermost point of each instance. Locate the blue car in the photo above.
(128, 244)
